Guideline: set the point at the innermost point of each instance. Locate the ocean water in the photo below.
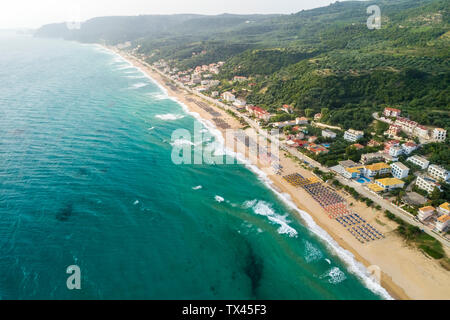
(86, 178)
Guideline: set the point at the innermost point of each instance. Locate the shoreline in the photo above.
(394, 277)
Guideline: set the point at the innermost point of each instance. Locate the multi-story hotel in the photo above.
(375, 169)
(427, 183)
(442, 223)
(407, 125)
(425, 213)
(353, 135)
(228, 96)
(438, 172)
(444, 209)
(439, 134)
(391, 112)
(386, 184)
(399, 170)
(419, 161)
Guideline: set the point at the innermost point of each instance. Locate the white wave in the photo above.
(328, 261)
(136, 203)
(265, 209)
(312, 253)
(135, 77)
(164, 90)
(125, 67)
(139, 85)
(181, 142)
(151, 129)
(219, 199)
(334, 275)
(197, 188)
(169, 117)
(158, 96)
(249, 204)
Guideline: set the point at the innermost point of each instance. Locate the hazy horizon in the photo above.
(33, 14)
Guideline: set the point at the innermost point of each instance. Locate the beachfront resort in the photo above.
(392, 164)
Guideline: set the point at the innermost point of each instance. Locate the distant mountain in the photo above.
(113, 30)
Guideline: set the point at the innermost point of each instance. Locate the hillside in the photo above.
(314, 59)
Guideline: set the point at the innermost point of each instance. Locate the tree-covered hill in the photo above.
(313, 59)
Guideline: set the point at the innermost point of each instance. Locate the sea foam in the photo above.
(265, 209)
(169, 117)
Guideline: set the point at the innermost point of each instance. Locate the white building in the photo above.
(353, 135)
(228, 96)
(442, 223)
(375, 169)
(391, 112)
(438, 172)
(439, 134)
(297, 121)
(425, 213)
(399, 170)
(409, 147)
(427, 183)
(407, 125)
(328, 134)
(444, 209)
(196, 78)
(388, 184)
(396, 151)
(419, 161)
(421, 131)
(240, 103)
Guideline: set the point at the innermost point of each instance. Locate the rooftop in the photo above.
(445, 206)
(374, 187)
(419, 158)
(348, 163)
(438, 168)
(427, 209)
(444, 218)
(354, 169)
(400, 165)
(390, 181)
(377, 166)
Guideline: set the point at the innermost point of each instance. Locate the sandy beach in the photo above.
(406, 273)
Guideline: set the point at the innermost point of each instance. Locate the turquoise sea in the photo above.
(86, 179)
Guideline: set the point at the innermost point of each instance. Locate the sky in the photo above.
(35, 13)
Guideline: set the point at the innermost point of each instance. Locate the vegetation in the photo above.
(314, 59)
(437, 153)
(414, 235)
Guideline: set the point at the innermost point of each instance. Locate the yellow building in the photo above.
(386, 184)
(444, 208)
(442, 223)
(372, 170)
(353, 173)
